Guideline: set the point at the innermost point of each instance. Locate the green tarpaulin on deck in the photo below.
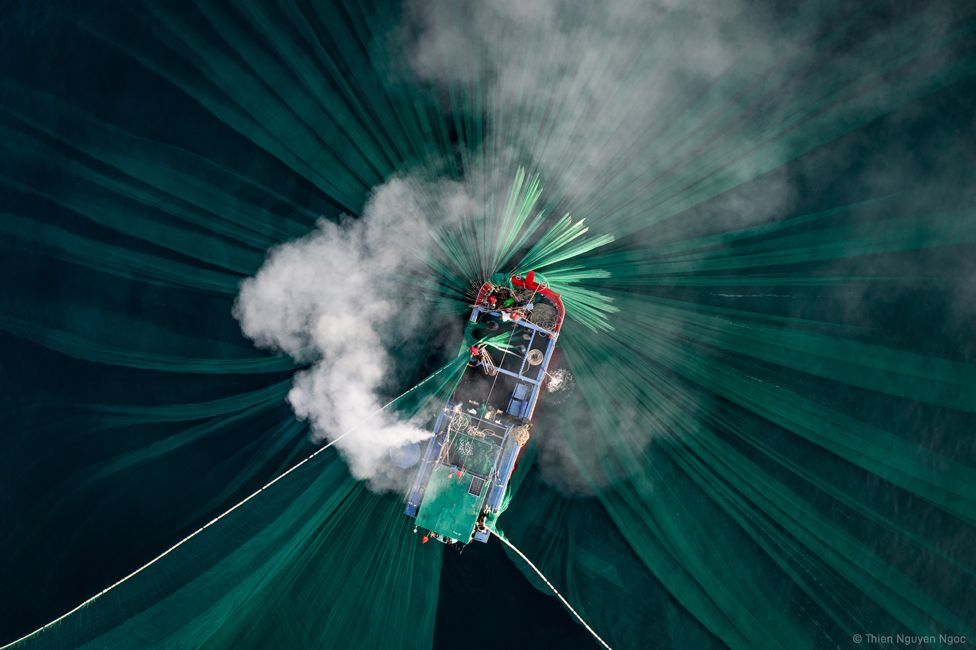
(448, 508)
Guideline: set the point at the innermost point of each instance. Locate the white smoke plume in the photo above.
(340, 298)
(589, 92)
(347, 294)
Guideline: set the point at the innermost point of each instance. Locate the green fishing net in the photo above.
(769, 288)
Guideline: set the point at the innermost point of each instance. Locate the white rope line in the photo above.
(225, 513)
(554, 590)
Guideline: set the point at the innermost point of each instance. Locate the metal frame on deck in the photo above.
(505, 464)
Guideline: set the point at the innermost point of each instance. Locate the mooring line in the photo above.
(228, 511)
(553, 588)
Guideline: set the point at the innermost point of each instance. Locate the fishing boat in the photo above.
(483, 429)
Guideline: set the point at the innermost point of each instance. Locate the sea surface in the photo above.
(99, 473)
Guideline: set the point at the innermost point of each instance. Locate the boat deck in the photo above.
(467, 465)
(449, 506)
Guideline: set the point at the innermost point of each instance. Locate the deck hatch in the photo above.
(477, 485)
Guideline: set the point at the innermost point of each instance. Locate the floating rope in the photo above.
(553, 588)
(459, 422)
(237, 505)
(521, 434)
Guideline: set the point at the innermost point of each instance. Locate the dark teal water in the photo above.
(64, 536)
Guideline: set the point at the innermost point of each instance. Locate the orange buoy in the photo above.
(424, 539)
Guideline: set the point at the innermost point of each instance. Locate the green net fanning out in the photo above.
(767, 273)
(313, 545)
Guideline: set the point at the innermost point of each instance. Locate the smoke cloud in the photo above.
(340, 299)
(591, 94)
(354, 299)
